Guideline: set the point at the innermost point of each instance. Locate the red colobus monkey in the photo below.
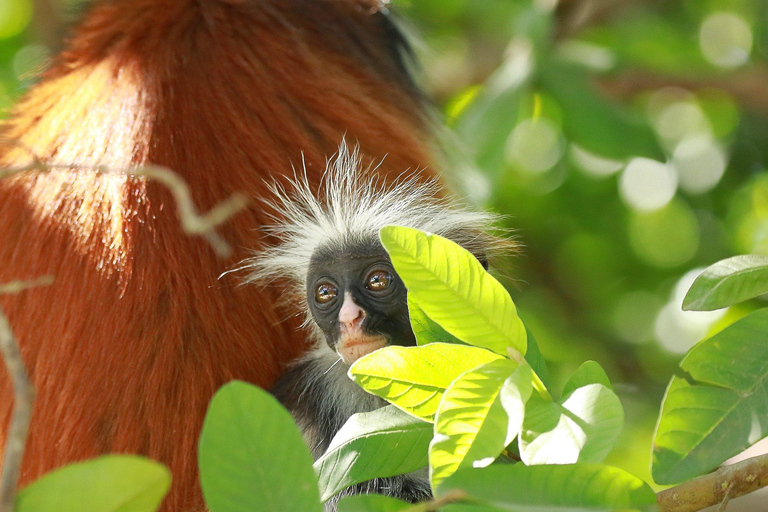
(354, 302)
(128, 345)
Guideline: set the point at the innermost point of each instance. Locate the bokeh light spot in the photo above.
(634, 315)
(15, 15)
(647, 185)
(680, 120)
(725, 40)
(665, 238)
(592, 164)
(700, 163)
(535, 145)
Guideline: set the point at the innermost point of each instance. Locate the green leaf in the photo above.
(485, 125)
(425, 329)
(471, 424)
(385, 442)
(414, 378)
(536, 359)
(728, 282)
(583, 428)
(113, 483)
(515, 393)
(252, 456)
(593, 121)
(454, 289)
(590, 372)
(569, 487)
(372, 503)
(720, 408)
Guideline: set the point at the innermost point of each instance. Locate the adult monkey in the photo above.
(128, 345)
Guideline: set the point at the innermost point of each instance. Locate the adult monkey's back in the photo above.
(136, 333)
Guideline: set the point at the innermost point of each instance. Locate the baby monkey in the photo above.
(341, 278)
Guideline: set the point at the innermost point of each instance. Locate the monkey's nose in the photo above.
(351, 315)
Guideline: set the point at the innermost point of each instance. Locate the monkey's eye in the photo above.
(378, 280)
(325, 293)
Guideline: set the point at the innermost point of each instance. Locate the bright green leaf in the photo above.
(252, 456)
(414, 378)
(722, 406)
(728, 282)
(471, 424)
(385, 442)
(569, 487)
(372, 503)
(454, 289)
(583, 428)
(426, 330)
(113, 483)
(590, 372)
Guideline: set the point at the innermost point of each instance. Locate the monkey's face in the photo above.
(358, 301)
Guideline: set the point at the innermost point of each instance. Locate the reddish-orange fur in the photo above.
(137, 332)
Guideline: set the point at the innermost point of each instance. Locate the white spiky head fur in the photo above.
(350, 207)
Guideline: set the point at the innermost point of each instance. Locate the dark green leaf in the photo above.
(721, 408)
(728, 282)
(252, 456)
(592, 120)
(589, 372)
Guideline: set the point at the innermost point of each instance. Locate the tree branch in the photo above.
(23, 398)
(192, 221)
(727, 482)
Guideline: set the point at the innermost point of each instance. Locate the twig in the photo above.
(192, 221)
(23, 398)
(727, 482)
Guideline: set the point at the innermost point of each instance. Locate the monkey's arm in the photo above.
(320, 396)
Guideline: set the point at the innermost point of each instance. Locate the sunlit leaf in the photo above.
(728, 282)
(583, 428)
(471, 424)
(113, 483)
(720, 408)
(515, 393)
(414, 378)
(252, 456)
(426, 330)
(454, 289)
(571, 487)
(385, 442)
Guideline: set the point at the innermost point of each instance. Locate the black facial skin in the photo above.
(349, 271)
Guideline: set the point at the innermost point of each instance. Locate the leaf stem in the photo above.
(538, 385)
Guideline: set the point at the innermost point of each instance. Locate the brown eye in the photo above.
(378, 280)
(325, 293)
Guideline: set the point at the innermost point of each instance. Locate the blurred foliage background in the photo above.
(626, 141)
